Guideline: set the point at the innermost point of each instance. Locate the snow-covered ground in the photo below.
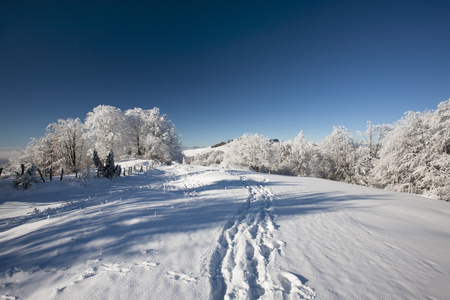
(187, 232)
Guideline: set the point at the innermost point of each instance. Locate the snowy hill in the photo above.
(186, 232)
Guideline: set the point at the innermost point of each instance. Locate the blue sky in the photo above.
(219, 69)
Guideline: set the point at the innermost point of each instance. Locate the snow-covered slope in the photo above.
(185, 232)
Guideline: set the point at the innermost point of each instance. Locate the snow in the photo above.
(190, 232)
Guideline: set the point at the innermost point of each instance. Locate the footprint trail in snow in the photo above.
(242, 266)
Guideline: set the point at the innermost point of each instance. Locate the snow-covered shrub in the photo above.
(27, 179)
(89, 173)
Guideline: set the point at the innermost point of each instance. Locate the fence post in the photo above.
(40, 174)
(62, 173)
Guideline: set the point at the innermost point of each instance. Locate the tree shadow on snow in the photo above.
(116, 216)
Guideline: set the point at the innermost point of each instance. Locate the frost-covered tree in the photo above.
(69, 138)
(209, 158)
(41, 152)
(338, 152)
(303, 156)
(69, 144)
(107, 129)
(415, 157)
(61, 147)
(161, 140)
(140, 124)
(283, 162)
(254, 151)
(367, 151)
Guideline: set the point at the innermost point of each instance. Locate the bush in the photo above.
(27, 179)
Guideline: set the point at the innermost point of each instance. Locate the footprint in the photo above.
(149, 264)
(116, 267)
(60, 289)
(293, 286)
(180, 276)
(88, 273)
(91, 272)
(8, 297)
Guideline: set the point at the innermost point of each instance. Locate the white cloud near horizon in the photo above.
(6, 152)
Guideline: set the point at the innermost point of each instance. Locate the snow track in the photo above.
(243, 264)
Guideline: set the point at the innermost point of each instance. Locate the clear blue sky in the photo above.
(219, 69)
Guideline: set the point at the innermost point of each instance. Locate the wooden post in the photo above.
(62, 173)
(40, 174)
(123, 171)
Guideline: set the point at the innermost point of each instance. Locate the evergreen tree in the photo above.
(98, 164)
(109, 165)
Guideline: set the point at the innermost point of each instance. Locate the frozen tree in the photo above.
(212, 157)
(303, 156)
(367, 151)
(254, 151)
(338, 152)
(401, 155)
(136, 132)
(283, 162)
(107, 129)
(415, 157)
(68, 136)
(161, 141)
(437, 173)
(38, 151)
(139, 124)
(373, 138)
(46, 153)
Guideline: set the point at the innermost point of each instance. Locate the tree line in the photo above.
(412, 155)
(71, 144)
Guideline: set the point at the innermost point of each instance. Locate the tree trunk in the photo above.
(1, 170)
(51, 173)
(62, 173)
(22, 166)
